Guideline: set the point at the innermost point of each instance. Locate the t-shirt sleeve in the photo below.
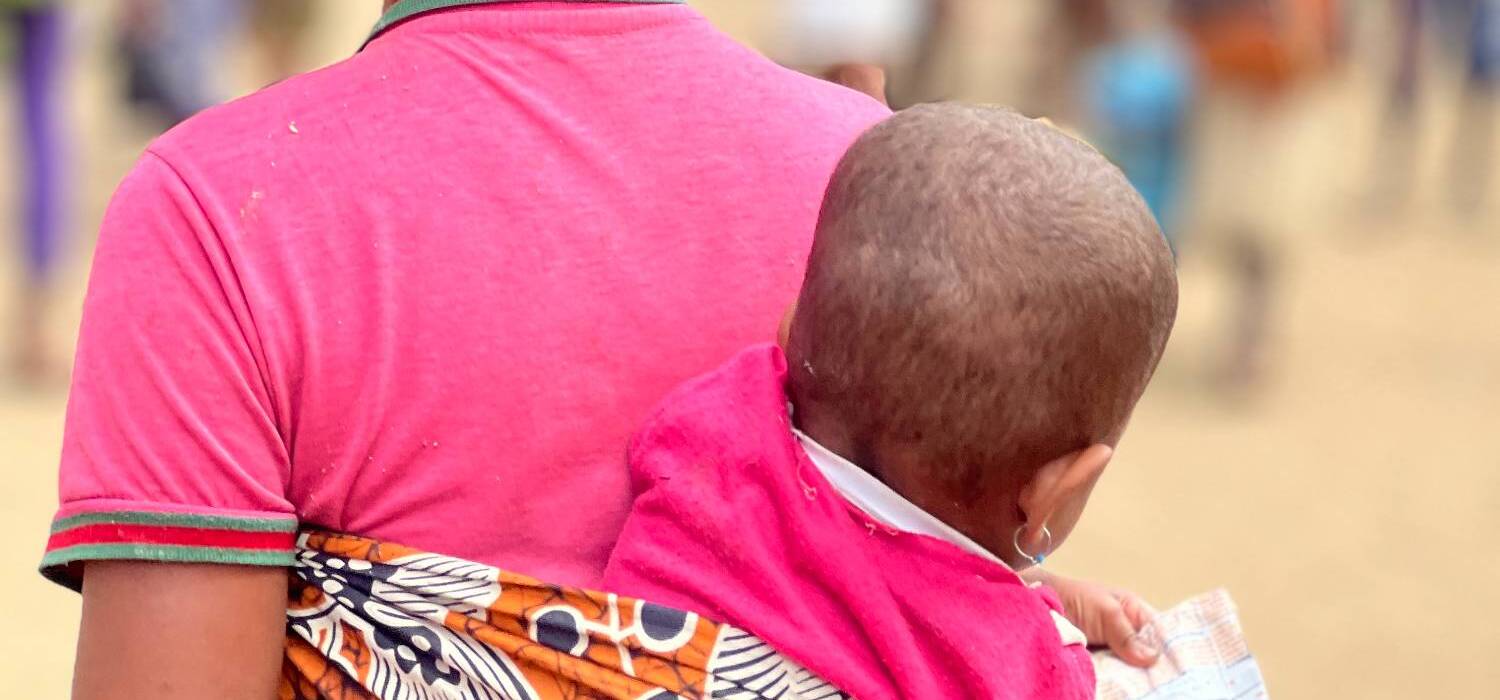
(171, 449)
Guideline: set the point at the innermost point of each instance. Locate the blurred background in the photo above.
(1320, 438)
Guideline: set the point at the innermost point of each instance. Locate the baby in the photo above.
(985, 302)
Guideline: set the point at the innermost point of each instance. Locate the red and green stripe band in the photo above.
(167, 537)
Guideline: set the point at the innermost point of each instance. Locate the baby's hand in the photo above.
(1108, 616)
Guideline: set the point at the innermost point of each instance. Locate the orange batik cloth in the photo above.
(369, 619)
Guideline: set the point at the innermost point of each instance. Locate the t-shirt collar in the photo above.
(881, 502)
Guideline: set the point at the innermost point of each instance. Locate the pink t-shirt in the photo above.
(425, 294)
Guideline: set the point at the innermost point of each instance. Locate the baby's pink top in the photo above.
(732, 520)
(425, 294)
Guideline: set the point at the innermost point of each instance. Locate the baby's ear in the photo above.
(1062, 481)
(1084, 469)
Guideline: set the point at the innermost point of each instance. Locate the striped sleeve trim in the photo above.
(166, 537)
(193, 520)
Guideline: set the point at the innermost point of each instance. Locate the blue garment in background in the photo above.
(1139, 93)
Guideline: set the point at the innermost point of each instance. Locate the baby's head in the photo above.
(986, 300)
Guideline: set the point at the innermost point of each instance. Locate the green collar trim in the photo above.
(407, 9)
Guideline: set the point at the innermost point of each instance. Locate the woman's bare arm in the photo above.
(169, 631)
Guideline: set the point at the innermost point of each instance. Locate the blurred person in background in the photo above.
(1074, 30)
(1250, 54)
(38, 28)
(174, 53)
(279, 28)
(1474, 142)
(921, 79)
(1138, 89)
(888, 49)
(1468, 43)
(1396, 144)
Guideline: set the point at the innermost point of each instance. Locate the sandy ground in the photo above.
(1350, 506)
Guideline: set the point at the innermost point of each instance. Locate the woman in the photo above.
(422, 297)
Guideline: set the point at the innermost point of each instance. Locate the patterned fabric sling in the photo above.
(371, 619)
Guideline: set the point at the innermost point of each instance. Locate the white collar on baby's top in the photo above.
(882, 503)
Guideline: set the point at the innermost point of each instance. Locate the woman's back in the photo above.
(424, 295)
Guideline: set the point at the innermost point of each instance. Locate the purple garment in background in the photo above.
(38, 60)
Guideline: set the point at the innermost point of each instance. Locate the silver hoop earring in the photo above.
(1015, 540)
